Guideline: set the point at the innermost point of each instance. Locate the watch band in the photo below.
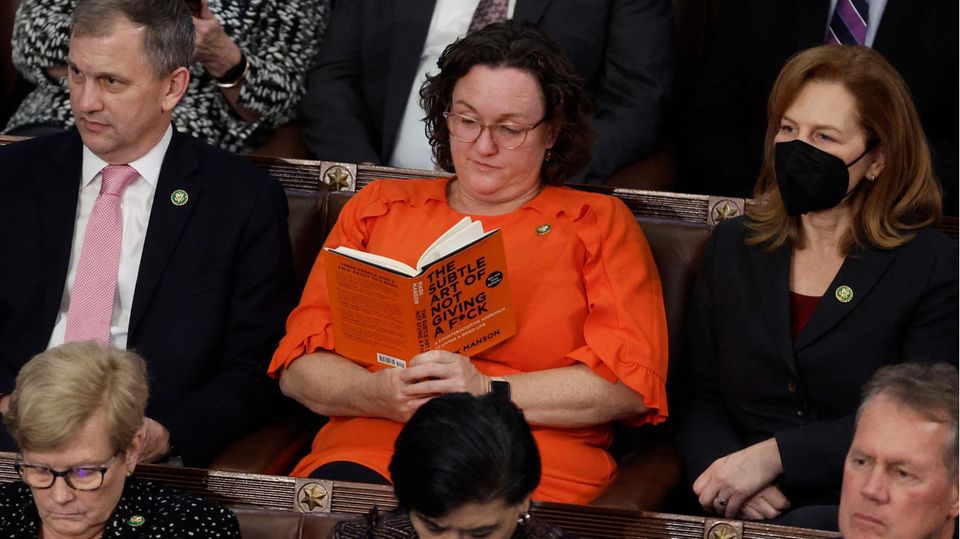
(235, 74)
(500, 387)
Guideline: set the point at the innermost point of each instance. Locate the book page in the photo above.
(377, 260)
(371, 309)
(456, 237)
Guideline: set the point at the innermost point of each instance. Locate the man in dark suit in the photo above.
(723, 138)
(201, 275)
(357, 96)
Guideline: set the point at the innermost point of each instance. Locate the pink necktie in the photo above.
(488, 11)
(95, 286)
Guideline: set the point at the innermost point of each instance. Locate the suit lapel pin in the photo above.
(136, 521)
(179, 197)
(844, 294)
(544, 229)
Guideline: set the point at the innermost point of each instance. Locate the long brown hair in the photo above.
(905, 196)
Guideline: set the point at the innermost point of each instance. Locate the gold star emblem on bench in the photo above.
(313, 495)
(337, 177)
(722, 530)
(724, 210)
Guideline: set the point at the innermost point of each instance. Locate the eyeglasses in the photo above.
(84, 478)
(507, 135)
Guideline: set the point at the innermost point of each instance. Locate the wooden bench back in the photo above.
(287, 495)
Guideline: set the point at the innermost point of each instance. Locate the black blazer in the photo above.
(723, 145)
(751, 380)
(214, 287)
(355, 100)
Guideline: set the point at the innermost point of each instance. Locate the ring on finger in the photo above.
(720, 502)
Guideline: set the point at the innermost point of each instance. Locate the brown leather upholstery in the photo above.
(308, 228)
(274, 449)
(267, 524)
(273, 524)
(649, 464)
(277, 448)
(320, 526)
(285, 141)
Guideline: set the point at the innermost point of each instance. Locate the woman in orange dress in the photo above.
(507, 116)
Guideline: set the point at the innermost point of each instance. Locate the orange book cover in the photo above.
(459, 302)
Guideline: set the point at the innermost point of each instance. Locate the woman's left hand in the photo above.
(214, 49)
(438, 372)
(731, 480)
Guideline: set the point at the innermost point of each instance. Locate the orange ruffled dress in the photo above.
(585, 292)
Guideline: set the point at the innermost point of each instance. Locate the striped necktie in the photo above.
(848, 26)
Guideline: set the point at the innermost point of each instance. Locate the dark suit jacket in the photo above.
(355, 100)
(723, 145)
(213, 290)
(751, 380)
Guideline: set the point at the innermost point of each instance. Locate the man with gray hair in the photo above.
(900, 477)
(128, 233)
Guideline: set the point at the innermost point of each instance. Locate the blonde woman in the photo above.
(77, 415)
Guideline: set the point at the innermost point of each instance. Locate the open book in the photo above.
(457, 298)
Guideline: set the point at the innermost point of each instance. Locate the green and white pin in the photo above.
(179, 197)
(843, 293)
(136, 521)
(543, 229)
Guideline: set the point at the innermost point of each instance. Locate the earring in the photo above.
(548, 155)
(524, 519)
(872, 178)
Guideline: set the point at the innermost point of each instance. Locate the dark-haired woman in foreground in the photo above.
(508, 116)
(834, 273)
(465, 466)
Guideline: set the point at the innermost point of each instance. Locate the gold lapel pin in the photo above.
(179, 197)
(843, 294)
(544, 229)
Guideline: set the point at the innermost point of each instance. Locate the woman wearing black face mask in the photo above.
(833, 273)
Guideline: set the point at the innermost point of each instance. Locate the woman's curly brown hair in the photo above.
(520, 46)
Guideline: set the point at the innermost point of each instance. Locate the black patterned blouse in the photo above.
(145, 510)
(278, 37)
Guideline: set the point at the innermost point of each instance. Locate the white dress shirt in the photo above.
(451, 20)
(135, 205)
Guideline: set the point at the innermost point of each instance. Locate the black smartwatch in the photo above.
(500, 387)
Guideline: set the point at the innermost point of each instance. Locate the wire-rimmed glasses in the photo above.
(507, 135)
